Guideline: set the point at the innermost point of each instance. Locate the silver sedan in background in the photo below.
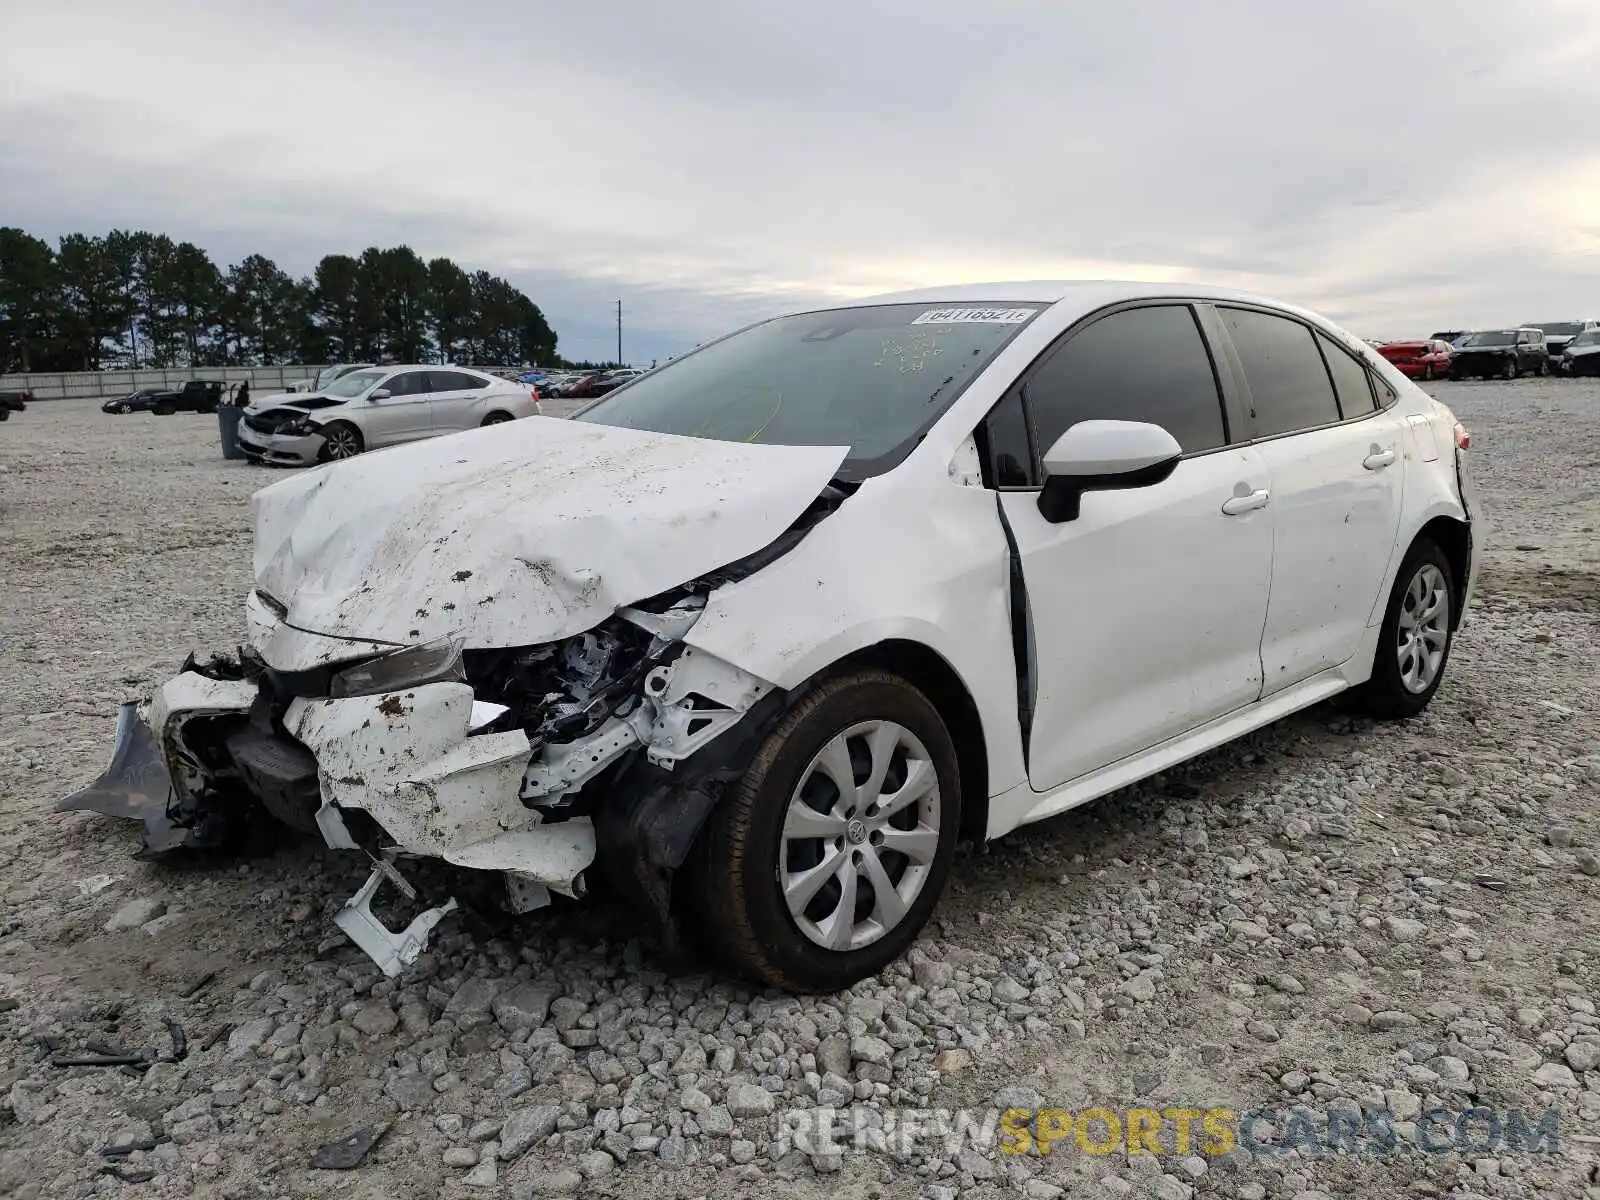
(379, 406)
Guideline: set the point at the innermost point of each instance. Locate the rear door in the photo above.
(1337, 469)
(402, 415)
(453, 398)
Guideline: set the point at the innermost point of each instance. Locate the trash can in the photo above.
(228, 417)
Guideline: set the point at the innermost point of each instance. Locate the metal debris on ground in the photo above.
(348, 1151)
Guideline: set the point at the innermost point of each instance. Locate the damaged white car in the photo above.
(761, 635)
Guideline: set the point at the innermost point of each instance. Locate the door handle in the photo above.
(1248, 502)
(1378, 459)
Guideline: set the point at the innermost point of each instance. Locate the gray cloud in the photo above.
(1396, 163)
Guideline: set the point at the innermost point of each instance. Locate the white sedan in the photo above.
(378, 406)
(766, 632)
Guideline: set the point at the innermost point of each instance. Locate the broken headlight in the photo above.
(431, 662)
(300, 428)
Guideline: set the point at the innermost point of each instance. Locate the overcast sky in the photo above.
(1402, 165)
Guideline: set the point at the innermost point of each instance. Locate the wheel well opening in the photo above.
(931, 675)
(1455, 539)
(497, 412)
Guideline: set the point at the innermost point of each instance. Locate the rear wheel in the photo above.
(825, 862)
(1427, 373)
(1544, 368)
(497, 418)
(1414, 641)
(164, 409)
(340, 440)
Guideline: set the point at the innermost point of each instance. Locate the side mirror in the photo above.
(379, 394)
(1103, 456)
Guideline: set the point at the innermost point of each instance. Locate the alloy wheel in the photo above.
(1423, 629)
(859, 835)
(343, 443)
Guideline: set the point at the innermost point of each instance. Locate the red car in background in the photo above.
(1427, 359)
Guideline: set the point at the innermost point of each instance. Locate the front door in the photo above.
(1144, 612)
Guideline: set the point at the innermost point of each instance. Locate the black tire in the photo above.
(1385, 694)
(337, 435)
(1544, 368)
(1509, 371)
(497, 418)
(164, 410)
(730, 883)
(1427, 373)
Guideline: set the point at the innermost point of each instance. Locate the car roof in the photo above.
(1084, 295)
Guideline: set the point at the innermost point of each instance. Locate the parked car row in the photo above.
(1535, 348)
(585, 385)
(197, 395)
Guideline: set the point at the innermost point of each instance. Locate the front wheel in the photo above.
(1509, 371)
(340, 440)
(1415, 638)
(1544, 369)
(826, 861)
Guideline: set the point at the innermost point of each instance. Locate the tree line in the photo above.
(137, 299)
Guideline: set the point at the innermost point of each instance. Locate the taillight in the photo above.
(1463, 438)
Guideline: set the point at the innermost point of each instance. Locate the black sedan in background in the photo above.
(142, 400)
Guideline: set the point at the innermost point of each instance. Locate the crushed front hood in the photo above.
(519, 533)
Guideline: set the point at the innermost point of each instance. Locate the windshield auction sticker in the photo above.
(973, 316)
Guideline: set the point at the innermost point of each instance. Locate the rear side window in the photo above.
(1141, 364)
(453, 381)
(1289, 385)
(1350, 378)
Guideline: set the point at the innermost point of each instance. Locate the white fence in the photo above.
(67, 385)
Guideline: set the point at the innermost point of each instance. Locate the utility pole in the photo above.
(619, 333)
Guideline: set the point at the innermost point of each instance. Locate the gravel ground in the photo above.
(1330, 913)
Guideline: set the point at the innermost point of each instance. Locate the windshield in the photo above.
(873, 379)
(353, 384)
(1559, 328)
(1498, 337)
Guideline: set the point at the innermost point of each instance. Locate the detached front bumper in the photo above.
(280, 448)
(408, 760)
(419, 772)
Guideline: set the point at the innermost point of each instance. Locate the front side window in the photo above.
(407, 383)
(1141, 364)
(1289, 386)
(353, 384)
(874, 378)
(1350, 379)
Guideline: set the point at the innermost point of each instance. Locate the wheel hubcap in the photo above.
(342, 444)
(1424, 629)
(859, 835)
